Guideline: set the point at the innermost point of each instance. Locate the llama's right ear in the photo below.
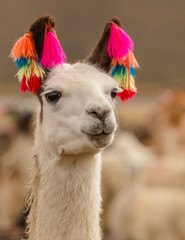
(115, 49)
(38, 50)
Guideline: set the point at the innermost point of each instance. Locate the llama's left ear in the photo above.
(115, 50)
(38, 50)
(100, 56)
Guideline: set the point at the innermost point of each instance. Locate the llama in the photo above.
(14, 174)
(15, 162)
(168, 123)
(120, 167)
(141, 213)
(75, 122)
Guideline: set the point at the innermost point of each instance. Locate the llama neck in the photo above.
(68, 199)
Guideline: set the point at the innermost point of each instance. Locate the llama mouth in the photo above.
(103, 134)
(100, 140)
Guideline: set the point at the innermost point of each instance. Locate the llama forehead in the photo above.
(79, 75)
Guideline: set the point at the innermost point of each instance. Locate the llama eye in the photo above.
(53, 97)
(114, 92)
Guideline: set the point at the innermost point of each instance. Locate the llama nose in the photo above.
(98, 112)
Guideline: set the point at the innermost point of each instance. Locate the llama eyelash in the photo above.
(45, 92)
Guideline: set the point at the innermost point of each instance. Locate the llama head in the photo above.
(76, 100)
(77, 109)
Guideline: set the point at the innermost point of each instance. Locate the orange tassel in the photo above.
(24, 47)
(126, 61)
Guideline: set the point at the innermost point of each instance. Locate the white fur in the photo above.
(67, 188)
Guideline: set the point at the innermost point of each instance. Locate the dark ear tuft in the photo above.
(117, 21)
(38, 31)
(100, 55)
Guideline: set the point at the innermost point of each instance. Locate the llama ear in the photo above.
(115, 49)
(37, 51)
(100, 56)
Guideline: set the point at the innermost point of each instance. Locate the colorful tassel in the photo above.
(120, 50)
(30, 71)
(31, 68)
(126, 81)
(119, 43)
(29, 76)
(53, 53)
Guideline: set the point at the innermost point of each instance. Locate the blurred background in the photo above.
(143, 175)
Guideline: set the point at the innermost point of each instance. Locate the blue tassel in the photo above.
(132, 71)
(21, 62)
(118, 70)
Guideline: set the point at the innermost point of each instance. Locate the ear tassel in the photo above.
(24, 54)
(53, 53)
(126, 81)
(32, 67)
(29, 75)
(119, 43)
(120, 50)
(25, 57)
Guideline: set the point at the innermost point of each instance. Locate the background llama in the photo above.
(143, 175)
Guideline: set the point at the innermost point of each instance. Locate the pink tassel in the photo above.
(120, 44)
(53, 53)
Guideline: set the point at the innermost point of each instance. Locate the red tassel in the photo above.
(23, 86)
(32, 85)
(126, 94)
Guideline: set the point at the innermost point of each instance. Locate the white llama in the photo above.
(75, 121)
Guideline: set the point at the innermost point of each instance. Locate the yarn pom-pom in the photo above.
(120, 44)
(24, 47)
(126, 95)
(53, 53)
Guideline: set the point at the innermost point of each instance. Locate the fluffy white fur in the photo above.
(66, 178)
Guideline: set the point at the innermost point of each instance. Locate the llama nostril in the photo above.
(105, 113)
(93, 114)
(99, 113)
